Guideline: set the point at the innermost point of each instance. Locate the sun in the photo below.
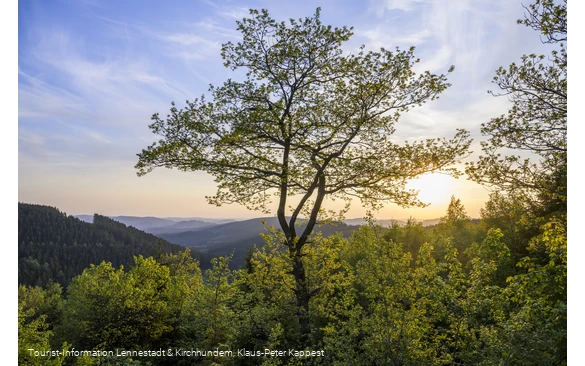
(435, 188)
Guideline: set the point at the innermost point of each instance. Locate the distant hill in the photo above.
(220, 237)
(361, 221)
(181, 226)
(177, 225)
(57, 247)
(237, 237)
(156, 225)
(430, 222)
(84, 218)
(221, 234)
(141, 223)
(205, 219)
(389, 222)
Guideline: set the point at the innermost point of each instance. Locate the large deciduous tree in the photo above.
(308, 122)
(536, 124)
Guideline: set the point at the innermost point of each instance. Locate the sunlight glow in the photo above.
(435, 188)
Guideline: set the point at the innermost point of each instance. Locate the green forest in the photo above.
(54, 247)
(468, 292)
(313, 123)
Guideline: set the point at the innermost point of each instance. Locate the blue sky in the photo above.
(91, 73)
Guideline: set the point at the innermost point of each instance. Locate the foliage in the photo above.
(37, 302)
(541, 294)
(548, 18)
(372, 303)
(456, 230)
(108, 307)
(305, 111)
(54, 247)
(537, 121)
(38, 311)
(307, 121)
(265, 312)
(410, 236)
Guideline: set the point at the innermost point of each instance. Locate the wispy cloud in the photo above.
(106, 88)
(90, 77)
(381, 6)
(31, 138)
(236, 13)
(191, 46)
(39, 99)
(189, 39)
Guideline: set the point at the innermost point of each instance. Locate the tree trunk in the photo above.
(295, 243)
(302, 295)
(295, 246)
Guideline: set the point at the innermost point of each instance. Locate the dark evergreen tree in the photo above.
(55, 247)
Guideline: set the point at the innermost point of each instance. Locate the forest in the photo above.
(312, 123)
(462, 292)
(54, 247)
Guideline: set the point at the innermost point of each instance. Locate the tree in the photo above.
(537, 121)
(39, 311)
(541, 293)
(308, 121)
(110, 308)
(33, 335)
(455, 212)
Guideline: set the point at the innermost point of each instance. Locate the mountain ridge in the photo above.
(158, 224)
(53, 246)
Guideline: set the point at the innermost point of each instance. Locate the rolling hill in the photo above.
(389, 222)
(181, 226)
(142, 223)
(221, 237)
(238, 237)
(156, 225)
(55, 247)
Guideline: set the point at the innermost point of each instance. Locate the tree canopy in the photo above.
(537, 121)
(310, 121)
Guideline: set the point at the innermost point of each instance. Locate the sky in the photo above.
(91, 73)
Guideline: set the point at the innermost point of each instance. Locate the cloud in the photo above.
(95, 90)
(447, 32)
(39, 99)
(83, 103)
(211, 27)
(189, 39)
(89, 84)
(404, 5)
(31, 138)
(191, 46)
(382, 36)
(236, 13)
